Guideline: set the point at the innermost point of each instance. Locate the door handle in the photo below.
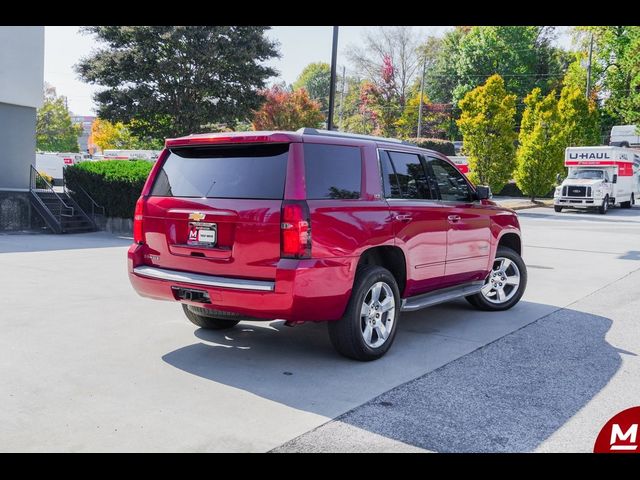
(404, 218)
(453, 218)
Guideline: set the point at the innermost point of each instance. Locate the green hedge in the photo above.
(442, 146)
(114, 184)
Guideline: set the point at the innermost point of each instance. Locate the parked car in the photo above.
(625, 136)
(319, 226)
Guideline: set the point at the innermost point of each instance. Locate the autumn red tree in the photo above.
(287, 110)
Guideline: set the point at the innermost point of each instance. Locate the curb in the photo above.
(524, 207)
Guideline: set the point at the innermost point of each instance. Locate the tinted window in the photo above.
(409, 175)
(389, 179)
(332, 171)
(451, 183)
(241, 171)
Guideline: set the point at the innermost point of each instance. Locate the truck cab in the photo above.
(598, 178)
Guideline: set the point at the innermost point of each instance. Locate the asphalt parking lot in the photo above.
(87, 365)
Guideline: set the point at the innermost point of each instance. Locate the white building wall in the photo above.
(21, 66)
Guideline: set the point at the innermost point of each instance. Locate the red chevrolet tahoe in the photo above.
(319, 226)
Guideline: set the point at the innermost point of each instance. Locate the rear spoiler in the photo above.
(216, 139)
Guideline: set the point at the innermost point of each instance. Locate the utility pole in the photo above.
(589, 68)
(424, 66)
(332, 88)
(344, 77)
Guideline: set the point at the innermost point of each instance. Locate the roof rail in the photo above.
(332, 133)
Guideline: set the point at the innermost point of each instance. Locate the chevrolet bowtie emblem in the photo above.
(197, 216)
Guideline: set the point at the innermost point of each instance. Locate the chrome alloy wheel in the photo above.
(377, 314)
(503, 281)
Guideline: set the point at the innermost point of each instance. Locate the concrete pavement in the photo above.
(87, 365)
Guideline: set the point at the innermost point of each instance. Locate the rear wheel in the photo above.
(203, 319)
(629, 203)
(368, 327)
(557, 208)
(604, 208)
(504, 285)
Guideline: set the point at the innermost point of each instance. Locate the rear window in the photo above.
(332, 171)
(239, 171)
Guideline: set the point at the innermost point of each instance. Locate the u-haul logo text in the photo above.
(589, 156)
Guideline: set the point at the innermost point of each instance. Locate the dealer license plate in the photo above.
(202, 234)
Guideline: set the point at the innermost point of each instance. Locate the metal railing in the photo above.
(38, 184)
(94, 206)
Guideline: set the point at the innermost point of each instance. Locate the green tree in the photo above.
(107, 135)
(359, 113)
(286, 110)
(176, 80)
(541, 145)
(434, 124)
(523, 55)
(487, 125)
(615, 70)
(316, 79)
(54, 130)
(441, 75)
(576, 74)
(407, 124)
(579, 118)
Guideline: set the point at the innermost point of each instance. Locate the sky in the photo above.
(299, 46)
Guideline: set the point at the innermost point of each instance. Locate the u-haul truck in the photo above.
(461, 162)
(599, 178)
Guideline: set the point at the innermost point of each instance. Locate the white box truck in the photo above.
(461, 162)
(131, 155)
(599, 178)
(625, 136)
(53, 164)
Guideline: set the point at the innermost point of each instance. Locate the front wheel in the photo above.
(368, 327)
(557, 208)
(604, 208)
(504, 285)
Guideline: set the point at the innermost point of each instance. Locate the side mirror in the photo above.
(558, 178)
(615, 178)
(483, 192)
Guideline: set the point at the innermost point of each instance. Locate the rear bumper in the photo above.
(303, 290)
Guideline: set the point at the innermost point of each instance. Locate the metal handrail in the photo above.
(94, 204)
(33, 186)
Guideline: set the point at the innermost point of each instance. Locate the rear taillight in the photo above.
(138, 234)
(295, 230)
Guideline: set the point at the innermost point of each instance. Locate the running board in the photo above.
(440, 296)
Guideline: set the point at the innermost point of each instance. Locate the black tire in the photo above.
(557, 208)
(203, 319)
(627, 204)
(481, 303)
(604, 208)
(346, 334)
